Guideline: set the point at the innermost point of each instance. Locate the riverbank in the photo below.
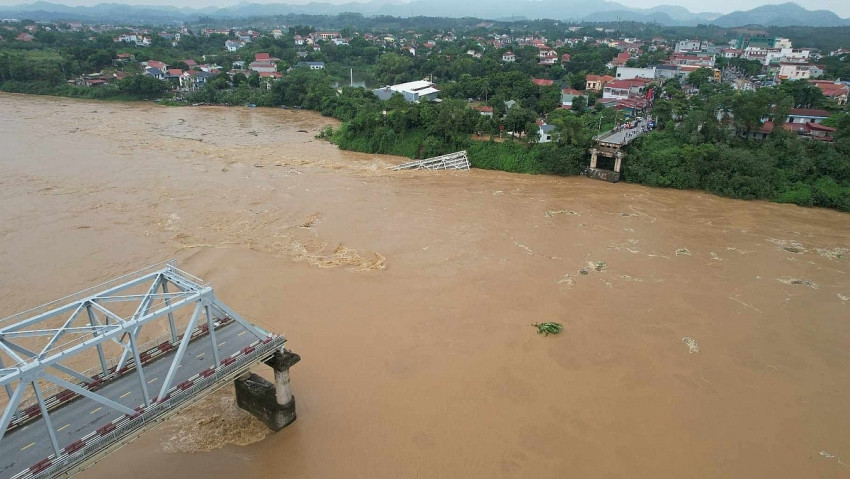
(410, 297)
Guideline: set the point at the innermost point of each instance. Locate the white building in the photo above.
(413, 92)
(687, 46)
(795, 71)
(625, 73)
(233, 45)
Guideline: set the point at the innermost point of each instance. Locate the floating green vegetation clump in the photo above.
(548, 328)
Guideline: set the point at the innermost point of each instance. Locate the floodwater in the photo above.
(703, 337)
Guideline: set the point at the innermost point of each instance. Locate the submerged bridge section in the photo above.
(610, 144)
(159, 340)
(452, 161)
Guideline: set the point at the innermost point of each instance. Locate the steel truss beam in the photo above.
(84, 330)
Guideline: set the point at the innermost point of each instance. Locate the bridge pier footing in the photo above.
(272, 403)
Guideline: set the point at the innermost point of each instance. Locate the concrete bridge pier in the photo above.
(273, 404)
(618, 161)
(593, 155)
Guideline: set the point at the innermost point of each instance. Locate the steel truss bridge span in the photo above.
(159, 340)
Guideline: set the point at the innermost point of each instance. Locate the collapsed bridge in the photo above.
(87, 373)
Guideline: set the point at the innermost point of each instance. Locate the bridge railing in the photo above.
(122, 428)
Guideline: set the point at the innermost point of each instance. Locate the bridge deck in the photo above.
(83, 418)
(622, 137)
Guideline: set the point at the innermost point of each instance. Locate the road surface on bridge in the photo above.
(622, 137)
(23, 447)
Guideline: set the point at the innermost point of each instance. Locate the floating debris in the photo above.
(552, 213)
(693, 347)
(834, 253)
(791, 246)
(796, 281)
(683, 252)
(548, 328)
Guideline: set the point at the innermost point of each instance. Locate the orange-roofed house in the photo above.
(597, 82)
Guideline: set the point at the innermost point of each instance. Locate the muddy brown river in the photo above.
(703, 337)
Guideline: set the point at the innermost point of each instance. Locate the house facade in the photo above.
(596, 82)
(623, 89)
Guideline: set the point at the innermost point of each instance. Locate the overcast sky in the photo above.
(840, 7)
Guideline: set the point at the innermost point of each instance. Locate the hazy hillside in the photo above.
(786, 14)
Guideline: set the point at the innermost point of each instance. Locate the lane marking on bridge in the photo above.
(64, 427)
(28, 446)
(152, 380)
(221, 343)
(243, 332)
(96, 410)
(125, 394)
(200, 355)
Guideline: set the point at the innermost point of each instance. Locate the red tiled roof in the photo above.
(484, 109)
(175, 71)
(810, 112)
(571, 91)
(542, 81)
(602, 78)
(631, 82)
(261, 57)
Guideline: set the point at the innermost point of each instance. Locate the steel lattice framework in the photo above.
(113, 313)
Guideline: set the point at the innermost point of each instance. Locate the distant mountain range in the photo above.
(785, 14)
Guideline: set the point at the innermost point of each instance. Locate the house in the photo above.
(545, 133)
(155, 72)
(542, 82)
(694, 59)
(173, 74)
(156, 64)
(795, 71)
(192, 80)
(625, 73)
(547, 53)
(596, 82)
(262, 67)
(413, 92)
(834, 90)
(623, 89)
(324, 36)
(277, 33)
(508, 57)
(124, 57)
(570, 94)
(565, 57)
(238, 65)
(688, 46)
(619, 61)
(806, 115)
(268, 78)
(190, 63)
(262, 57)
(298, 39)
(25, 37)
(233, 45)
(484, 110)
(815, 131)
(311, 65)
